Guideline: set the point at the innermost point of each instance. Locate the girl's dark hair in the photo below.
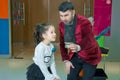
(64, 6)
(39, 30)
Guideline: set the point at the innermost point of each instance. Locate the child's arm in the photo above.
(53, 68)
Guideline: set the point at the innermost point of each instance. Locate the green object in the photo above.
(101, 41)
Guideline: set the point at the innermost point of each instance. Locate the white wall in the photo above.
(113, 42)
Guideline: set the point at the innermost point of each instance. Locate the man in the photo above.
(79, 49)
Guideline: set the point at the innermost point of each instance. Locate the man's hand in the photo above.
(68, 65)
(73, 47)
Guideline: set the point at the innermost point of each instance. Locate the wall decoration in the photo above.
(102, 16)
(18, 16)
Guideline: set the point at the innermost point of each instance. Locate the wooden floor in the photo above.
(23, 51)
(15, 68)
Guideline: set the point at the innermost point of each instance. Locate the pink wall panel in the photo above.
(102, 15)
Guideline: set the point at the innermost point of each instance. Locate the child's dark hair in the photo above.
(39, 30)
(64, 6)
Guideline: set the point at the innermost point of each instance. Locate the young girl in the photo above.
(43, 67)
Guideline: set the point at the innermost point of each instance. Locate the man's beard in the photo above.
(69, 23)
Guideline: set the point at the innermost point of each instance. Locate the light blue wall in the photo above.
(113, 42)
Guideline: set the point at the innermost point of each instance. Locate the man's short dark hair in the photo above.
(64, 6)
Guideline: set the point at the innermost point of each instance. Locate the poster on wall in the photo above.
(102, 16)
(18, 12)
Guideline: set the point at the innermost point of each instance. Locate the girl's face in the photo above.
(50, 35)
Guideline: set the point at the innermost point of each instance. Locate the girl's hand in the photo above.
(56, 79)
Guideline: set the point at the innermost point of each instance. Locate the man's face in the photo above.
(67, 16)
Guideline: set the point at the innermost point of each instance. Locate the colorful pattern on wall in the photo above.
(101, 41)
(18, 12)
(4, 28)
(102, 16)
